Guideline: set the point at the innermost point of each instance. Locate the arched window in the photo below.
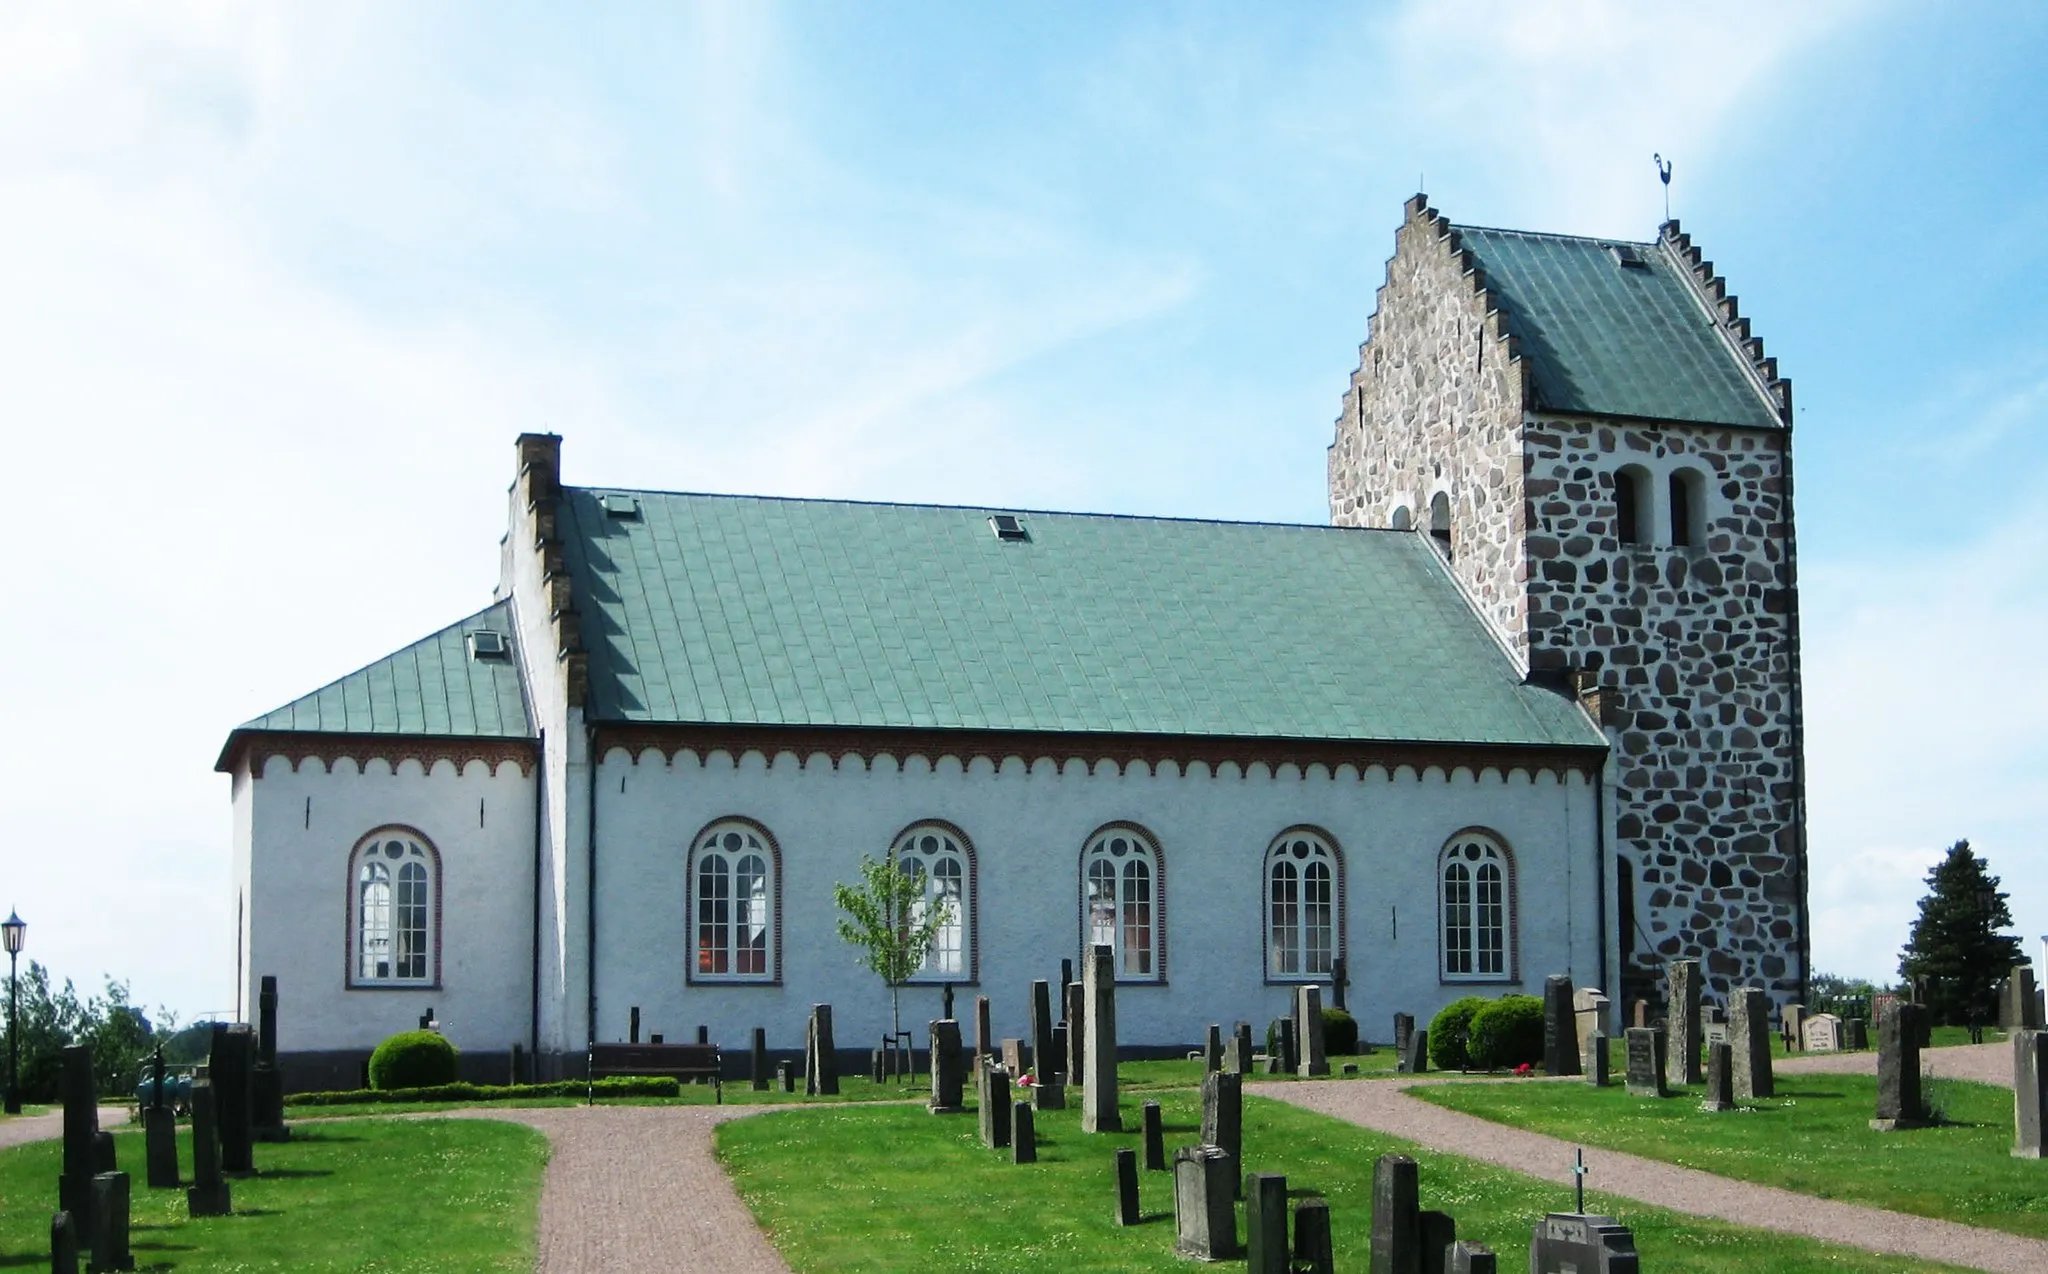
(948, 869)
(1440, 523)
(1478, 908)
(1402, 519)
(394, 915)
(1120, 901)
(1688, 508)
(1631, 502)
(1301, 907)
(732, 875)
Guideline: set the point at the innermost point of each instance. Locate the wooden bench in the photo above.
(683, 1061)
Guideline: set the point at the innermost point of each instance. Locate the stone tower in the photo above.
(1602, 453)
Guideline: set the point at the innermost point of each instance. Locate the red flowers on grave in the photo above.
(1525, 1070)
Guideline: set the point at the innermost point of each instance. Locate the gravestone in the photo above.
(993, 1105)
(110, 1223)
(1560, 1031)
(1823, 1033)
(1396, 1216)
(1290, 1049)
(1314, 1252)
(1792, 1025)
(63, 1244)
(1575, 1243)
(1223, 1118)
(877, 1059)
(266, 1081)
(1045, 1063)
(1077, 1033)
(1589, 1018)
(1155, 1139)
(984, 1040)
(1238, 1053)
(1340, 977)
(1714, 1026)
(1212, 1048)
(949, 1078)
(159, 1131)
(81, 1129)
(1439, 1234)
(1126, 1186)
(757, 1060)
(1645, 1074)
(1749, 1034)
(1855, 1034)
(946, 1003)
(1308, 1030)
(785, 1071)
(208, 1195)
(1014, 1060)
(1204, 1204)
(2019, 1008)
(1597, 1061)
(1098, 1069)
(1404, 1026)
(821, 1065)
(1900, 1103)
(1683, 1036)
(1265, 1223)
(1023, 1134)
(231, 1064)
(2029, 1095)
(1059, 1052)
(1720, 1078)
(1470, 1258)
(1640, 1015)
(1415, 1061)
(1052, 1096)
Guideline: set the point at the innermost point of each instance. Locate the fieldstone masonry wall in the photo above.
(1694, 648)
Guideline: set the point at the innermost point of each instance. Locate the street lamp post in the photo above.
(15, 931)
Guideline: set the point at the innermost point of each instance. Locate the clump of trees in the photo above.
(1956, 954)
(52, 1017)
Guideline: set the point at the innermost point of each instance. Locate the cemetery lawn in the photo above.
(1813, 1137)
(1181, 1073)
(887, 1188)
(435, 1194)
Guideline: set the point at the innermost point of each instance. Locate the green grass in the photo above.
(851, 1089)
(1182, 1073)
(426, 1195)
(1813, 1137)
(895, 1188)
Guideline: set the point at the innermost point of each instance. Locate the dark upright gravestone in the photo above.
(1749, 1035)
(1682, 1022)
(1098, 1070)
(1644, 1076)
(1439, 1234)
(1597, 1061)
(1560, 1027)
(992, 1092)
(1126, 1186)
(1720, 1078)
(1290, 1048)
(1059, 1051)
(1900, 1103)
(823, 1064)
(2029, 1095)
(1308, 1030)
(266, 1082)
(785, 1071)
(757, 1061)
(231, 1064)
(1045, 1066)
(1223, 1118)
(1077, 1033)
(1237, 1053)
(949, 1075)
(1404, 1026)
(81, 1129)
(1155, 1139)
(984, 1041)
(1396, 1216)
(1575, 1243)
(160, 1131)
(1204, 1207)
(2018, 1010)
(110, 1223)
(1856, 1034)
(1023, 1134)
(1313, 1251)
(1415, 1059)
(209, 1194)
(1265, 1223)
(1212, 1048)
(63, 1244)
(1470, 1258)
(946, 1003)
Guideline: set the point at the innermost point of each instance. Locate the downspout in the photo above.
(540, 766)
(1600, 865)
(590, 886)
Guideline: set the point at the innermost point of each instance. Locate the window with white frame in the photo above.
(948, 870)
(1120, 901)
(1478, 902)
(1301, 907)
(732, 875)
(392, 916)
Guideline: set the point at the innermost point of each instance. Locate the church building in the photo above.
(1529, 706)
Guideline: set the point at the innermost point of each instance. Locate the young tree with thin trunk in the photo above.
(890, 922)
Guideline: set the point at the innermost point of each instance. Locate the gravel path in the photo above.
(632, 1188)
(26, 1128)
(1386, 1107)
(1983, 1063)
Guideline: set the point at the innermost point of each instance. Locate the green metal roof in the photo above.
(757, 611)
(1607, 340)
(432, 687)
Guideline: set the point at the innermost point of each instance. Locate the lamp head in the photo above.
(15, 930)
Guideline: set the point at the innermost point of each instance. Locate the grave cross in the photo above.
(1579, 1178)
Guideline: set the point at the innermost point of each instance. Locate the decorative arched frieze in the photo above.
(392, 751)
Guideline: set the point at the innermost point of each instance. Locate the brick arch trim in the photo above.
(1342, 902)
(1513, 972)
(348, 911)
(1143, 834)
(690, 903)
(966, 844)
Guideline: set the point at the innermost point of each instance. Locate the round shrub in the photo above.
(1506, 1033)
(1448, 1030)
(413, 1059)
(1340, 1033)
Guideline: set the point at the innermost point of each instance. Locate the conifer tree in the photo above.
(1956, 954)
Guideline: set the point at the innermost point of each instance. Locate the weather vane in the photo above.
(1664, 175)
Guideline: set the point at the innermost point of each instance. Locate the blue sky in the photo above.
(283, 285)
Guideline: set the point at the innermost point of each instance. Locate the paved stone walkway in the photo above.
(26, 1128)
(1385, 1107)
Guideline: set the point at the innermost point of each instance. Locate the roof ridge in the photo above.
(1602, 240)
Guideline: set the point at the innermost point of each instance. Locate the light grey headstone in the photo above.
(1308, 1030)
(1396, 1243)
(1099, 1107)
(993, 1105)
(824, 1062)
(1822, 1032)
(2029, 1095)
(1572, 1243)
(1749, 1035)
(1684, 1039)
(1644, 1075)
(1471, 1258)
(1597, 1061)
(1015, 1060)
(1404, 1026)
(1589, 1016)
(1223, 1117)
(1204, 1203)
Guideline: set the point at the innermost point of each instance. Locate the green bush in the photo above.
(618, 1086)
(1340, 1033)
(1506, 1033)
(413, 1059)
(1448, 1030)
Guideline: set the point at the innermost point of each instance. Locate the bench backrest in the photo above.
(654, 1057)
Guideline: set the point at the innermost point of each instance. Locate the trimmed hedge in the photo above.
(413, 1059)
(1507, 1033)
(1448, 1031)
(1340, 1033)
(618, 1086)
